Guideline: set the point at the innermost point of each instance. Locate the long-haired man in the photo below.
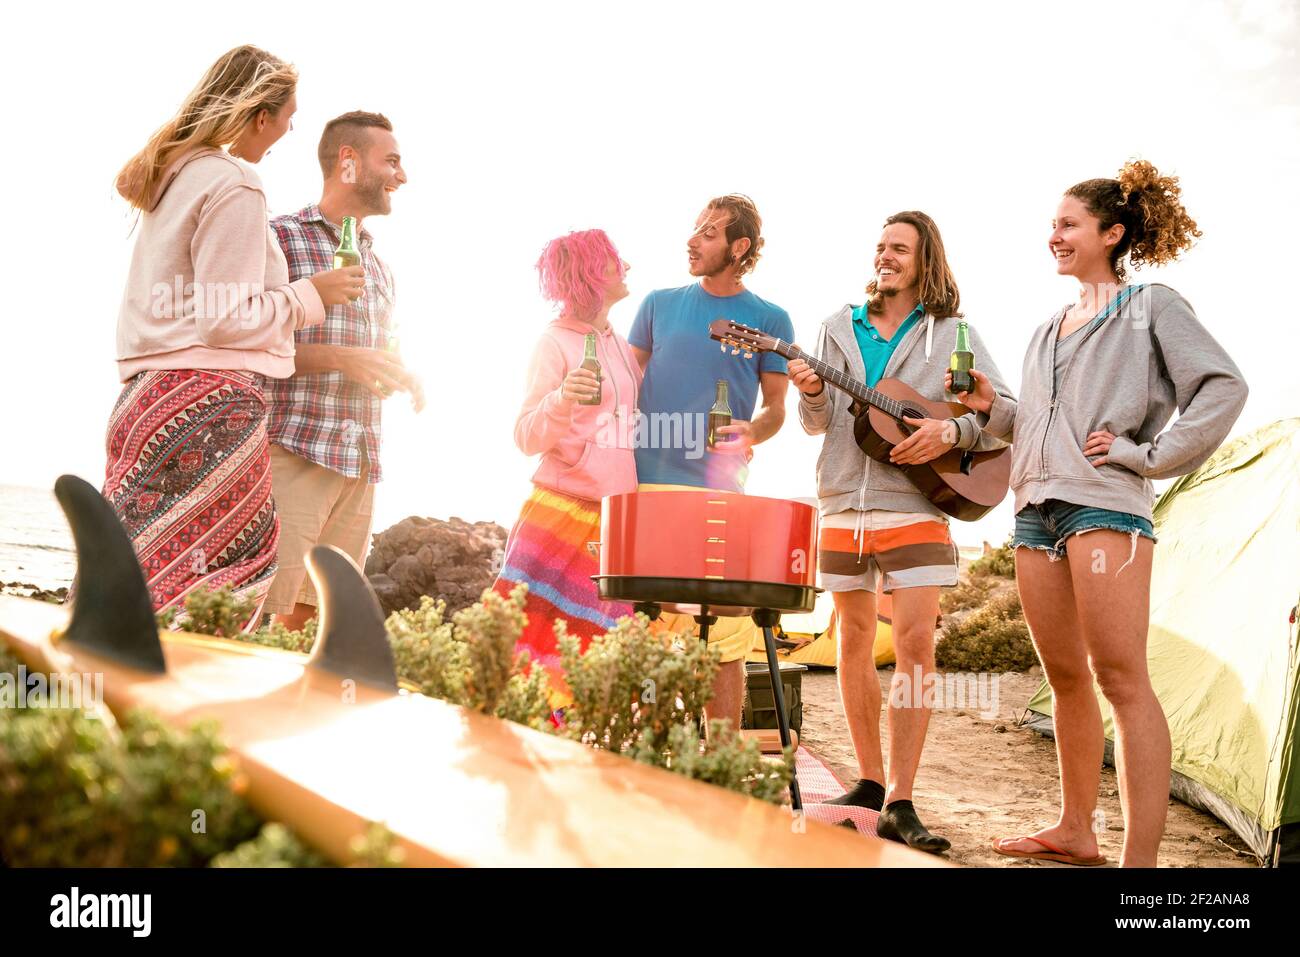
(879, 532)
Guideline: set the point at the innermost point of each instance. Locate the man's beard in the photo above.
(718, 266)
(370, 191)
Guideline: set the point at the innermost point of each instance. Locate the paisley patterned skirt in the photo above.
(189, 475)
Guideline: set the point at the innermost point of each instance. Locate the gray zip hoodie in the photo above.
(846, 477)
(1126, 377)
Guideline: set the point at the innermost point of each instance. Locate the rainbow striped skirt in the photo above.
(547, 551)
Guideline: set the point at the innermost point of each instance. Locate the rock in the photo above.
(389, 592)
(56, 596)
(453, 560)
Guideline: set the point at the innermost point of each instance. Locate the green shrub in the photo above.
(630, 687)
(276, 635)
(77, 791)
(1000, 561)
(969, 593)
(471, 660)
(81, 791)
(728, 761)
(994, 638)
(274, 846)
(377, 847)
(426, 651)
(220, 613)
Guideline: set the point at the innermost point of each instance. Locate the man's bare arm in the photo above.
(771, 416)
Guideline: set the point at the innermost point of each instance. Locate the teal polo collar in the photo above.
(860, 317)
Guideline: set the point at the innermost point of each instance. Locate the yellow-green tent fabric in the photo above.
(1222, 646)
(818, 635)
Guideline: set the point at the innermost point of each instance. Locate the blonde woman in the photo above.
(207, 313)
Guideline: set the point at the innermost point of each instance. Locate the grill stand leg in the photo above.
(704, 620)
(767, 619)
(650, 609)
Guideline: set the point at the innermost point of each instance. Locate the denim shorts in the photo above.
(1047, 526)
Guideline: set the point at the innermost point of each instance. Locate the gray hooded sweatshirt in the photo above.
(1126, 376)
(846, 477)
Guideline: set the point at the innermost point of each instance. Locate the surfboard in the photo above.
(329, 743)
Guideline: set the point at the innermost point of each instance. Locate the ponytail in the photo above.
(1148, 205)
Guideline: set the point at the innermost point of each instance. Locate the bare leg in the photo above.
(1049, 603)
(728, 693)
(915, 612)
(1114, 614)
(298, 618)
(855, 613)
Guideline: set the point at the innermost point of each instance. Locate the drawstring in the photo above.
(860, 520)
(929, 336)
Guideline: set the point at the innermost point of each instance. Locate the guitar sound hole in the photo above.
(913, 414)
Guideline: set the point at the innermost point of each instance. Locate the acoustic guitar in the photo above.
(965, 485)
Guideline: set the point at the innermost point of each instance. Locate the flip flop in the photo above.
(1053, 853)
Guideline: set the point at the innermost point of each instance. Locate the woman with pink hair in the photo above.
(582, 428)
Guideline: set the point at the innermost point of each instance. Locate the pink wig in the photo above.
(571, 272)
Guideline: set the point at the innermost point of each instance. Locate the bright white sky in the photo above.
(521, 121)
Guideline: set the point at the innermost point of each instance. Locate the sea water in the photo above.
(35, 541)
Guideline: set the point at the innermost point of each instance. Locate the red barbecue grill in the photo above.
(708, 554)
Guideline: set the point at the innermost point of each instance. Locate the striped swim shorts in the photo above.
(896, 549)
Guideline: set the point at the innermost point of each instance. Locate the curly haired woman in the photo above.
(1101, 380)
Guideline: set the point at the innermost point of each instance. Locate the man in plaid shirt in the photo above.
(324, 421)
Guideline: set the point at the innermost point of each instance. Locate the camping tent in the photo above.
(1222, 647)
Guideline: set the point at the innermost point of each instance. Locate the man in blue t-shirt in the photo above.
(683, 366)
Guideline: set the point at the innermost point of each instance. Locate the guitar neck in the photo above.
(841, 380)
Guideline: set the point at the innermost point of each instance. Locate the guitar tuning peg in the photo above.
(722, 346)
(735, 352)
(749, 355)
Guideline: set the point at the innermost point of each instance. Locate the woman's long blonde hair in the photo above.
(239, 85)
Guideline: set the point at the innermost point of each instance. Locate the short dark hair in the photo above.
(347, 130)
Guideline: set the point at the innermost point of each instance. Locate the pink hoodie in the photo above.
(586, 449)
(209, 285)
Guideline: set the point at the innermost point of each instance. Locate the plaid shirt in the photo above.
(323, 416)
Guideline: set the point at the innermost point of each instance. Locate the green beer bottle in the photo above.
(719, 415)
(347, 254)
(962, 361)
(591, 364)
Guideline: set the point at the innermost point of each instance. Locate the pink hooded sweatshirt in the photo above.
(209, 285)
(586, 449)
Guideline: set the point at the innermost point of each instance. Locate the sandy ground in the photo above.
(982, 778)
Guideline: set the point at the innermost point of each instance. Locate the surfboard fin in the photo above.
(112, 613)
(352, 641)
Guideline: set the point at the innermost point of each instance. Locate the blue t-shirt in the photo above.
(875, 348)
(681, 379)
